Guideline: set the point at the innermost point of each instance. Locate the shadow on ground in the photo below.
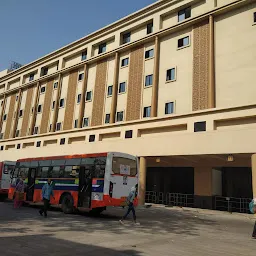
(46, 244)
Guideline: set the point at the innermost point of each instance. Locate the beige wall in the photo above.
(179, 91)
(235, 46)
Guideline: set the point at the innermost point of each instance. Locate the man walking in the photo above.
(47, 192)
(131, 208)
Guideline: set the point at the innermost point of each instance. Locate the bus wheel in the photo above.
(67, 204)
(97, 211)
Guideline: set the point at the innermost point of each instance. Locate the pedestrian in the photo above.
(130, 203)
(252, 207)
(19, 193)
(47, 192)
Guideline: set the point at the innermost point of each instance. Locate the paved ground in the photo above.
(163, 231)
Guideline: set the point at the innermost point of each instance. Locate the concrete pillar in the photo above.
(115, 89)
(254, 175)
(82, 102)
(142, 180)
(56, 107)
(211, 91)
(154, 100)
(203, 187)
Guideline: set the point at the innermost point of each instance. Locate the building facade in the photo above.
(173, 83)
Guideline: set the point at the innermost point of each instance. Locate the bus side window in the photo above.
(55, 172)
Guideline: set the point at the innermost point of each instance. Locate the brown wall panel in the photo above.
(47, 107)
(27, 112)
(201, 65)
(99, 93)
(135, 84)
(70, 102)
(10, 115)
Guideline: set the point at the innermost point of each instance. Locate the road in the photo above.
(163, 231)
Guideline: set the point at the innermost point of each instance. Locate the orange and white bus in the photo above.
(92, 181)
(6, 168)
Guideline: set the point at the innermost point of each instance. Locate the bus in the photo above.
(91, 181)
(6, 168)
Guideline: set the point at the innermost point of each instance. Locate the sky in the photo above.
(30, 29)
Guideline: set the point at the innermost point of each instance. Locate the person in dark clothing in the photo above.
(47, 192)
(130, 200)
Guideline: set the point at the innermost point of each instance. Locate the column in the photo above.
(115, 90)
(2, 112)
(211, 91)
(142, 180)
(56, 107)
(203, 187)
(82, 102)
(33, 118)
(254, 175)
(154, 100)
(16, 115)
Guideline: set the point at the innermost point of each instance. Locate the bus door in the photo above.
(85, 186)
(31, 183)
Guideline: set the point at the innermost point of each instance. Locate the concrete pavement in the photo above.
(163, 231)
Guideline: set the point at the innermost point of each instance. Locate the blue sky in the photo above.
(29, 29)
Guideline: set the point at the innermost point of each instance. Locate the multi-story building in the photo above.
(173, 83)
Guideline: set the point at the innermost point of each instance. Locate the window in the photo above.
(62, 141)
(17, 97)
(120, 116)
(110, 90)
(35, 130)
(20, 113)
(128, 134)
(2, 148)
(38, 144)
(55, 85)
(200, 126)
(184, 14)
(122, 87)
(58, 126)
(79, 98)
(148, 80)
(18, 146)
(76, 123)
(149, 54)
(102, 48)
(146, 112)
(170, 74)
(53, 104)
(1, 136)
(118, 161)
(32, 110)
(44, 71)
(80, 77)
(254, 17)
(62, 102)
(50, 127)
(125, 62)
(4, 117)
(169, 107)
(39, 108)
(86, 122)
(42, 89)
(31, 77)
(2, 102)
(91, 138)
(107, 119)
(126, 38)
(150, 28)
(183, 42)
(89, 96)
(84, 55)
